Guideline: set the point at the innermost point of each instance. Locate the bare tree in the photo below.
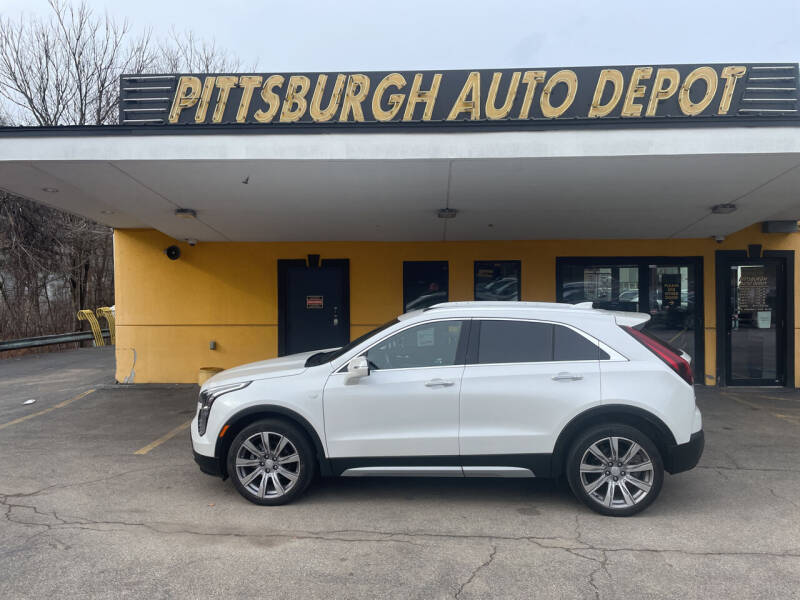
(64, 70)
(186, 53)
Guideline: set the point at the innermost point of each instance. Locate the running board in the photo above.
(513, 472)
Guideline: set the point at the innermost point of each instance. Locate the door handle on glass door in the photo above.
(564, 376)
(439, 383)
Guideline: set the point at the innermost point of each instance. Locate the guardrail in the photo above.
(49, 340)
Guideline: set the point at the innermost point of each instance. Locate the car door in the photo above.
(408, 404)
(522, 382)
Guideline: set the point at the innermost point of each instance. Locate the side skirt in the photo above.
(491, 465)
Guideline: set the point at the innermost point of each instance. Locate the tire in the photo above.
(615, 490)
(268, 478)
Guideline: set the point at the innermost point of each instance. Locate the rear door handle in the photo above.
(439, 383)
(564, 376)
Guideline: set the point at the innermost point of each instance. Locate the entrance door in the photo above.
(755, 318)
(313, 305)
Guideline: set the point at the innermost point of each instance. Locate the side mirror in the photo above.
(357, 368)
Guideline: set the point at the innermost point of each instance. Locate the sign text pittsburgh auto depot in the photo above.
(632, 92)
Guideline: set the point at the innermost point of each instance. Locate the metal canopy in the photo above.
(505, 185)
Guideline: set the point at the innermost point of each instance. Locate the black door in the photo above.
(755, 321)
(313, 305)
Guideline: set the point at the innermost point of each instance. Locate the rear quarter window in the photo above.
(569, 345)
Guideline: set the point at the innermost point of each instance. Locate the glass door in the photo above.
(755, 319)
(672, 307)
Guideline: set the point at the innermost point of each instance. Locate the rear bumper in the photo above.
(208, 464)
(685, 456)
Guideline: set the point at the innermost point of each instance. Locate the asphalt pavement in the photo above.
(100, 498)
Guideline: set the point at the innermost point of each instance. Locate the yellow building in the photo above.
(249, 222)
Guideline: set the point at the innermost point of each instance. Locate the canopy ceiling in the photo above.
(642, 183)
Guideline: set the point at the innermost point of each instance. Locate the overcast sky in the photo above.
(315, 35)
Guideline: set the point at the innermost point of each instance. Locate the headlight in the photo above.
(207, 398)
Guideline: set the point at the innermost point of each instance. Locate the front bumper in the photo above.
(208, 464)
(683, 457)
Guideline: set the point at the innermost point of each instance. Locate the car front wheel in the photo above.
(270, 462)
(615, 470)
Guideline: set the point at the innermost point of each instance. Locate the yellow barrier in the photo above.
(104, 312)
(88, 315)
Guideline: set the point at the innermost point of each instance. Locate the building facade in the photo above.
(258, 215)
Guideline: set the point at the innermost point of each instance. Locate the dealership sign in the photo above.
(518, 96)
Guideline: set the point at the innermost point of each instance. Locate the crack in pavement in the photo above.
(63, 486)
(348, 535)
(766, 469)
(477, 569)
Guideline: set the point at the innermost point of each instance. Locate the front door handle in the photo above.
(439, 383)
(564, 376)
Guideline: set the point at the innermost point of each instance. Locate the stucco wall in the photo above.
(168, 311)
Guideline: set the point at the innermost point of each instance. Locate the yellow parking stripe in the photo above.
(47, 410)
(164, 438)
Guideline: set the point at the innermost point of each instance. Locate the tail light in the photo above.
(663, 351)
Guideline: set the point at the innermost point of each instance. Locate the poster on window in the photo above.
(671, 290)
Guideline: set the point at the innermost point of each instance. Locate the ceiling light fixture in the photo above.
(185, 213)
(447, 213)
(106, 212)
(723, 209)
(50, 190)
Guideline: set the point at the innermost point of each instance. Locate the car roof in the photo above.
(537, 309)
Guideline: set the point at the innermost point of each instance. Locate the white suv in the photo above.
(463, 389)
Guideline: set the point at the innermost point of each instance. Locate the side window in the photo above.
(570, 345)
(426, 345)
(515, 341)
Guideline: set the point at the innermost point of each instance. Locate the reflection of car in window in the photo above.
(426, 300)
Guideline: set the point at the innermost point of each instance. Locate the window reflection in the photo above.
(425, 283)
(497, 280)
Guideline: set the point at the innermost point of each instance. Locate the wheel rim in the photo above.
(267, 464)
(616, 472)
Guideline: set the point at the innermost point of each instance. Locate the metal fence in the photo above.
(49, 340)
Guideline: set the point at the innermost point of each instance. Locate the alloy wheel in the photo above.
(267, 464)
(616, 472)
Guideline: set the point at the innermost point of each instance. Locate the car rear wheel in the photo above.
(615, 470)
(271, 462)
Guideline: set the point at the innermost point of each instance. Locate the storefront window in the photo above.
(610, 287)
(497, 280)
(664, 288)
(425, 283)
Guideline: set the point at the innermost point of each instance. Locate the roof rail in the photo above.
(506, 304)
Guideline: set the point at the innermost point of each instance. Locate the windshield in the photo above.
(324, 357)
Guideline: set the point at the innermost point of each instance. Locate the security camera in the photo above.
(191, 242)
(719, 238)
(173, 252)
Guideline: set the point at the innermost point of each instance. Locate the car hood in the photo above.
(264, 369)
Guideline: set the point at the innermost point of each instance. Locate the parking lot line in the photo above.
(47, 410)
(794, 420)
(169, 435)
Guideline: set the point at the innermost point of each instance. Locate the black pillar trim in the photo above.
(283, 270)
(788, 275)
